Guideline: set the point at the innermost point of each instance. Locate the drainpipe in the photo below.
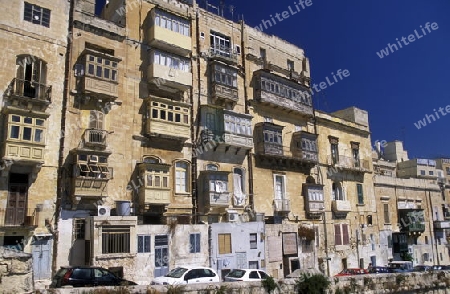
(193, 135)
(246, 104)
(433, 244)
(326, 244)
(59, 182)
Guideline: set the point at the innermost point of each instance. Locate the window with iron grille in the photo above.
(79, 225)
(36, 14)
(115, 239)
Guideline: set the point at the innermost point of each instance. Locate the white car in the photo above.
(188, 275)
(245, 275)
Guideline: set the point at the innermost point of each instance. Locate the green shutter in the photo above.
(360, 194)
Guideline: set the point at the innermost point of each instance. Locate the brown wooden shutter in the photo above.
(337, 235)
(345, 239)
(386, 214)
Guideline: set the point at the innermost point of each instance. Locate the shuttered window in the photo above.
(224, 241)
(341, 236)
(359, 189)
(345, 237)
(337, 235)
(387, 219)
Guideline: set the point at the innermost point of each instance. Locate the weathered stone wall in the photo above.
(15, 271)
(434, 282)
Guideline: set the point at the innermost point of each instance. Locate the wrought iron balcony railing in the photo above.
(30, 89)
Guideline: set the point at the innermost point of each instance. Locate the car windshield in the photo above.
(236, 274)
(176, 272)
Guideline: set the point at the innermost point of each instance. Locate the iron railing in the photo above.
(12, 217)
(31, 89)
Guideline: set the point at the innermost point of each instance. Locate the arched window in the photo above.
(239, 186)
(182, 177)
(211, 166)
(337, 192)
(151, 159)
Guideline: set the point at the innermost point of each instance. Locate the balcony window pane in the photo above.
(38, 136)
(39, 122)
(154, 113)
(106, 73)
(91, 69)
(99, 71)
(185, 119)
(26, 134)
(15, 118)
(149, 180)
(28, 120)
(99, 60)
(157, 181)
(163, 114)
(177, 117)
(165, 182)
(14, 134)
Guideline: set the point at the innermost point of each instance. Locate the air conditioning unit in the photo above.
(93, 158)
(104, 210)
(233, 216)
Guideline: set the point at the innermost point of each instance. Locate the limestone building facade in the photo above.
(33, 35)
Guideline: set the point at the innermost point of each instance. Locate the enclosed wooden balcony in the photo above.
(411, 221)
(278, 92)
(167, 119)
(314, 199)
(304, 146)
(215, 190)
(169, 40)
(165, 77)
(170, 32)
(154, 184)
(231, 129)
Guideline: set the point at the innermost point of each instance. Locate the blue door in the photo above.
(41, 251)
(161, 255)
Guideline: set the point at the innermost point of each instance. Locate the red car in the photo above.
(352, 272)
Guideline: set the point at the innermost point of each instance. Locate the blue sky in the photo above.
(397, 90)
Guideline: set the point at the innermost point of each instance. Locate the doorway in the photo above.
(17, 199)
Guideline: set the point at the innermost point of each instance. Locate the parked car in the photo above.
(188, 275)
(239, 275)
(379, 270)
(422, 268)
(439, 267)
(86, 276)
(352, 272)
(401, 266)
